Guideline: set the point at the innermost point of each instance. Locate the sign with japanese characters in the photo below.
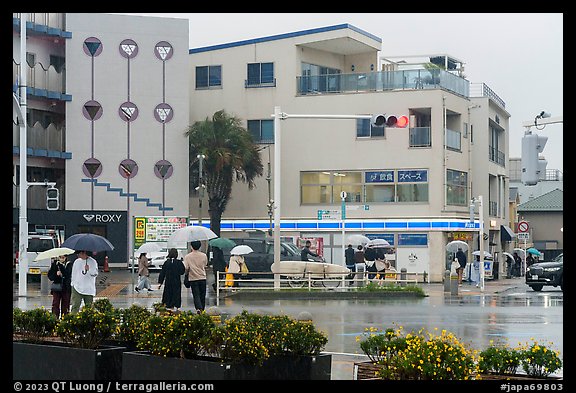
(156, 228)
(379, 177)
(413, 176)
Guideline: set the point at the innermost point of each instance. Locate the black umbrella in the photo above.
(88, 242)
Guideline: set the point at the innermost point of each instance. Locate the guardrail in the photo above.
(233, 282)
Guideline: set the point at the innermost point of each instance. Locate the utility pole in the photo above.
(270, 204)
(23, 208)
(201, 186)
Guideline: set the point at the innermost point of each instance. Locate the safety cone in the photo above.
(106, 268)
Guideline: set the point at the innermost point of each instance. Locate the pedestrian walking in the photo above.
(218, 263)
(461, 257)
(60, 274)
(234, 267)
(350, 262)
(517, 264)
(195, 264)
(143, 274)
(83, 281)
(170, 277)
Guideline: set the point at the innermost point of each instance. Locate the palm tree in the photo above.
(230, 155)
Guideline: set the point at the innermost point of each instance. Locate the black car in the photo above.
(262, 258)
(546, 273)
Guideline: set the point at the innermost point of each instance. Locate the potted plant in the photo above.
(130, 328)
(34, 325)
(80, 354)
(247, 346)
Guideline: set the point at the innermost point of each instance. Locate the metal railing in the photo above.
(381, 81)
(312, 281)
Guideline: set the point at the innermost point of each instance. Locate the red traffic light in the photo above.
(402, 122)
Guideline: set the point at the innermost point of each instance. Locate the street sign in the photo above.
(343, 195)
(329, 214)
(358, 207)
(523, 226)
(523, 235)
(469, 224)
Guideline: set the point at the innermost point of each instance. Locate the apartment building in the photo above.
(106, 114)
(412, 186)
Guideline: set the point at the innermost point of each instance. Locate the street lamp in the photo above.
(200, 187)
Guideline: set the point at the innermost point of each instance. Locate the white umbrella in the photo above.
(508, 255)
(241, 250)
(520, 252)
(486, 254)
(357, 239)
(455, 244)
(378, 243)
(191, 233)
(54, 253)
(149, 247)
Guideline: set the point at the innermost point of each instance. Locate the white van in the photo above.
(37, 244)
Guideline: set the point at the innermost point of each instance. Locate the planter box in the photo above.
(366, 370)
(141, 365)
(59, 361)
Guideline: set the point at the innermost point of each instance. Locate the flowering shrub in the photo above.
(34, 325)
(132, 320)
(89, 327)
(185, 335)
(244, 339)
(302, 338)
(540, 361)
(418, 356)
(503, 360)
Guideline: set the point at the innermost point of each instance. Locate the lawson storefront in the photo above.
(113, 225)
(418, 245)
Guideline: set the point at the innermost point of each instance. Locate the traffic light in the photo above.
(533, 168)
(382, 120)
(52, 198)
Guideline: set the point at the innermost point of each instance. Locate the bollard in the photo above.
(453, 284)
(447, 280)
(403, 277)
(44, 283)
(305, 316)
(215, 314)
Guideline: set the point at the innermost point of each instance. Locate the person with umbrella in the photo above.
(83, 281)
(169, 276)
(218, 263)
(61, 273)
(461, 256)
(517, 264)
(195, 264)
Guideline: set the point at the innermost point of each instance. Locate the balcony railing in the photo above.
(42, 81)
(54, 20)
(382, 81)
(482, 90)
(40, 138)
(497, 156)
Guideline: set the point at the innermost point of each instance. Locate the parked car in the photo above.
(262, 258)
(546, 273)
(36, 244)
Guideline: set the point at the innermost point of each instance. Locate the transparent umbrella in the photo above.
(378, 243)
(455, 244)
(191, 233)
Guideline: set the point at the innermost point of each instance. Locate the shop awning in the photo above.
(506, 234)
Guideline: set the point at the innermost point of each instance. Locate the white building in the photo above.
(411, 186)
(106, 118)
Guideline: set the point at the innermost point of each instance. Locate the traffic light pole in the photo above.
(278, 117)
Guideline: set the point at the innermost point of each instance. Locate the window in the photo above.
(384, 186)
(365, 129)
(208, 76)
(262, 131)
(260, 74)
(456, 188)
(453, 141)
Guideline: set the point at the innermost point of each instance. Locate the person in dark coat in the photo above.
(306, 251)
(350, 263)
(517, 265)
(171, 277)
(61, 272)
(218, 263)
(461, 256)
(370, 257)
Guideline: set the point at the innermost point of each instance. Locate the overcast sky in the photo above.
(517, 55)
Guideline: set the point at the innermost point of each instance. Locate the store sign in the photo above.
(156, 228)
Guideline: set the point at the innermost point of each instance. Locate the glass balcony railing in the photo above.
(382, 81)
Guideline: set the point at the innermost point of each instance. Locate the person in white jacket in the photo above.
(84, 273)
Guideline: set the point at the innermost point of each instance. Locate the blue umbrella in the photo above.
(88, 242)
(534, 251)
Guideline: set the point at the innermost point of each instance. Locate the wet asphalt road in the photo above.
(507, 311)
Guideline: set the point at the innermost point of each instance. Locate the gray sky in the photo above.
(518, 55)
